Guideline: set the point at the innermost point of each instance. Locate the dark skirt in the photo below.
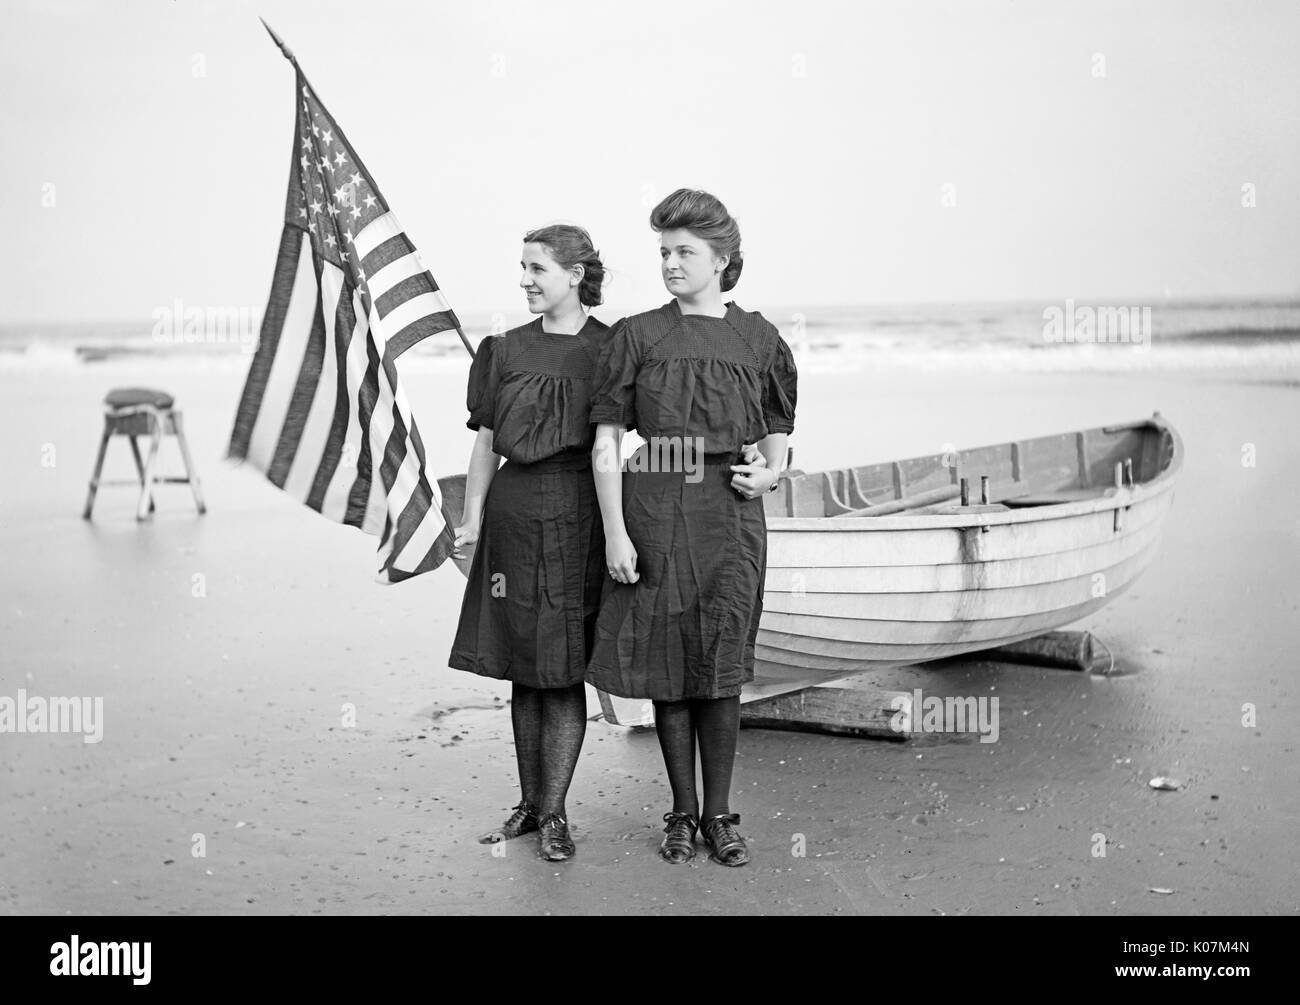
(686, 628)
(534, 585)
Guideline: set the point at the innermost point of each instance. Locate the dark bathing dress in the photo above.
(686, 628)
(534, 583)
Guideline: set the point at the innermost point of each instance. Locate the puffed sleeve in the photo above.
(614, 377)
(481, 390)
(780, 389)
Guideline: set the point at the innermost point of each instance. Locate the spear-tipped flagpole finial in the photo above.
(288, 54)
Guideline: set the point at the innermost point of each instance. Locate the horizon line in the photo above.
(1278, 299)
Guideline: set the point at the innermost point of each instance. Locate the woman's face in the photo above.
(688, 263)
(545, 282)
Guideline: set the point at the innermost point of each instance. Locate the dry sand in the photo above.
(223, 711)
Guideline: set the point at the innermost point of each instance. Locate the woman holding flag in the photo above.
(535, 579)
(687, 555)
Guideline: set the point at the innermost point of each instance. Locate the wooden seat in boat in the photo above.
(1060, 496)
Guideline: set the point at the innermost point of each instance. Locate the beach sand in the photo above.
(226, 646)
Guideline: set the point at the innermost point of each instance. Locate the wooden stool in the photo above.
(139, 411)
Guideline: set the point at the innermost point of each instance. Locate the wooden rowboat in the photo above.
(898, 563)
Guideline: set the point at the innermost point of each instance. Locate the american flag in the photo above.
(322, 413)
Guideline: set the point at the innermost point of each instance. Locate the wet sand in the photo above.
(224, 694)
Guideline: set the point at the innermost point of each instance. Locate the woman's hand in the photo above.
(620, 558)
(753, 477)
(466, 535)
(751, 480)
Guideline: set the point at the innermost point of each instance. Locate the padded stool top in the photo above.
(125, 397)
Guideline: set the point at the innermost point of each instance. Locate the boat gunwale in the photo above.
(1122, 498)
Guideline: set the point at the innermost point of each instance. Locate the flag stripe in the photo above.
(398, 477)
(402, 472)
(341, 485)
(418, 544)
(375, 233)
(381, 441)
(401, 480)
(304, 391)
(384, 254)
(329, 491)
(282, 378)
(312, 452)
(418, 329)
(409, 312)
(387, 276)
(408, 289)
(420, 522)
(367, 392)
(250, 402)
(434, 557)
(423, 531)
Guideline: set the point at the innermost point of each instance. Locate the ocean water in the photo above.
(1063, 335)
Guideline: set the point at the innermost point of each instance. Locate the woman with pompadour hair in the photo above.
(687, 555)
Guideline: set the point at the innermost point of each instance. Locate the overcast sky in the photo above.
(1094, 150)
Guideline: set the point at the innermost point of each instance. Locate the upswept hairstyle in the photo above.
(571, 245)
(705, 216)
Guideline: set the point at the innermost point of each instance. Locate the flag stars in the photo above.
(341, 193)
(347, 236)
(315, 207)
(356, 178)
(324, 163)
(356, 212)
(305, 162)
(302, 212)
(306, 143)
(327, 137)
(370, 202)
(334, 210)
(339, 159)
(315, 129)
(329, 239)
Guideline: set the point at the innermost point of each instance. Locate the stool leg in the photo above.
(191, 472)
(146, 491)
(139, 467)
(99, 467)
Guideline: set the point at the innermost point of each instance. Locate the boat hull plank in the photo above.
(974, 604)
(786, 665)
(908, 579)
(818, 629)
(853, 541)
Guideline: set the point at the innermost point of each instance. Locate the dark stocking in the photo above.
(564, 724)
(677, 741)
(717, 725)
(526, 716)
